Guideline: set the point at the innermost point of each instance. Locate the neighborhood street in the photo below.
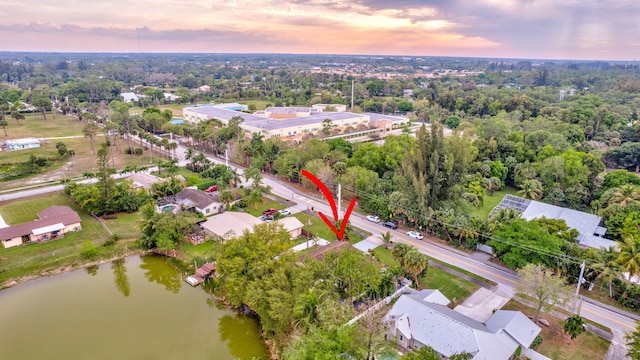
(615, 319)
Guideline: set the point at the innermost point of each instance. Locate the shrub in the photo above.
(88, 250)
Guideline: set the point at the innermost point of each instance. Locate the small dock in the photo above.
(202, 273)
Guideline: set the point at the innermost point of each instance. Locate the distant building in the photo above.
(129, 97)
(323, 107)
(587, 225)
(53, 223)
(22, 144)
(289, 123)
(204, 88)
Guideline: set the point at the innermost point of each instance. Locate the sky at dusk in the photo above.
(542, 29)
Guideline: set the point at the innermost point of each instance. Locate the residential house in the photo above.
(588, 225)
(194, 199)
(144, 180)
(230, 224)
(21, 144)
(292, 225)
(420, 319)
(53, 223)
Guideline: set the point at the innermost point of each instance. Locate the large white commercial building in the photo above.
(294, 122)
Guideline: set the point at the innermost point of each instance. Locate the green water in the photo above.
(135, 309)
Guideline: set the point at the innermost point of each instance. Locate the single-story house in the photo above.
(292, 225)
(420, 318)
(144, 180)
(21, 144)
(207, 204)
(52, 224)
(230, 224)
(587, 225)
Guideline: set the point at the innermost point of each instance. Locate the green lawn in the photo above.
(34, 126)
(32, 259)
(124, 225)
(266, 204)
(491, 201)
(450, 285)
(317, 227)
(385, 256)
(206, 250)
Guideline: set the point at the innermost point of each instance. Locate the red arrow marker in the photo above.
(332, 203)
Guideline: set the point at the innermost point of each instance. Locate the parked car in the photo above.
(270, 212)
(285, 212)
(373, 218)
(415, 235)
(266, 218)
(390, 224)
(212, 188)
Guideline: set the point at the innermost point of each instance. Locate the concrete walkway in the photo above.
(3, 224)
(618, 347)
(481, 304)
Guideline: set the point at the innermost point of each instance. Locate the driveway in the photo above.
(480, 305)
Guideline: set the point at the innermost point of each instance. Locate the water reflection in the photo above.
(92, 270)
(234, 330)
(162, 274)
(120, 277)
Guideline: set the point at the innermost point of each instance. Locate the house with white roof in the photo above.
(587, 225)
(420, 318)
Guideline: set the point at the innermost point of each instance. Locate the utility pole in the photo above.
(339, 201)
(580, 280)
(351, 93)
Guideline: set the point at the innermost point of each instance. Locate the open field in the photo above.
(35, 258)
(318, 228)
(557, 345)
(34, 126)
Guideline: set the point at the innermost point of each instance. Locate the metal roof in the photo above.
(523, 330)
(449, 332)
(48, 229)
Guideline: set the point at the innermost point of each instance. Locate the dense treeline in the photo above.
(549, 131)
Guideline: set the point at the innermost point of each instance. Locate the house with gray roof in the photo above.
(587, 225)
(206, 203)
(415, 320)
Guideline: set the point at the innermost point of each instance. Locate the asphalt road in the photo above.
(593, 312)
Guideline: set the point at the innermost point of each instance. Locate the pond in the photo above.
(138, 308)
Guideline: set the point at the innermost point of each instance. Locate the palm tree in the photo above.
(172, 146)
(400, 251)
(531, 189)
(624, 195)
(607, 265)
(386, 239)
(227, 197)
(415, 263)
(305, 311)
(629, 256)
(502, 216)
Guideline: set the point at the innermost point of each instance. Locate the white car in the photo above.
(373, 218)
(415, 235)
(285, 212)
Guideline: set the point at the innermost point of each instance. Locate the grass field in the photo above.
(318, 228)
(491, 201)
(34, 126)
(555, 343)
(35, 258)
(450, 285)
